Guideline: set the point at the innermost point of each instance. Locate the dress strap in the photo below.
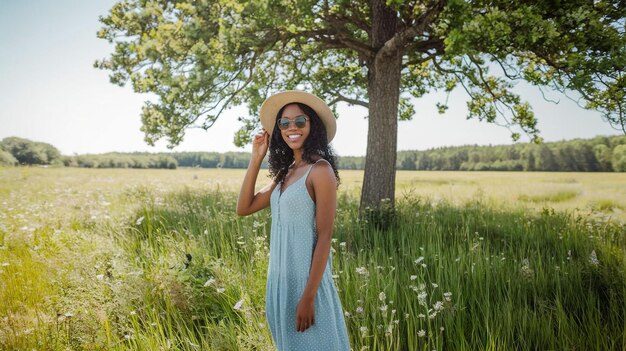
(311, 167)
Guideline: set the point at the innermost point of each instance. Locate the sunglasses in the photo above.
(284, 122)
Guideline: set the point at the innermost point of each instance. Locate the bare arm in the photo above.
(325, 187)
(248, 201)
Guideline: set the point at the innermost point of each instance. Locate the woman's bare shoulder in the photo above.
(322, 170)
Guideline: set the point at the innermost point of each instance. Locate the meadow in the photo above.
(126, 259)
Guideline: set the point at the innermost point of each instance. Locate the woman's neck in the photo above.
(297, 157)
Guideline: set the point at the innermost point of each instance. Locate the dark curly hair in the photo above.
(281, 155)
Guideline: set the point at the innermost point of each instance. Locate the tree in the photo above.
(6, 159)
(619, 158)
(201, 58)
(408, 162)
(603, 154)
(31, 152)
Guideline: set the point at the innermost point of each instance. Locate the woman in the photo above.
(302, 306)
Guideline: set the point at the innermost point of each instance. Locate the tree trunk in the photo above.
(383, 94)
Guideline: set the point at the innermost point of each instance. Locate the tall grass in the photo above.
(178, 270)
(559, 196)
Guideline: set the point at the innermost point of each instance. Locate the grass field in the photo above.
(157, 260)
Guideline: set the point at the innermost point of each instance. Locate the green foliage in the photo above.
(201, 58)
(579, 155)
(6, 159)
(122, 160)
(28, 152)
(619, 158)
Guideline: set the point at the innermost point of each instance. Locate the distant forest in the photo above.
(599, 154)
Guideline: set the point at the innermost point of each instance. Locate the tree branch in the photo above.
(401, 39)
(351, 101)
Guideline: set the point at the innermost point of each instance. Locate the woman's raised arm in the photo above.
(248, 201)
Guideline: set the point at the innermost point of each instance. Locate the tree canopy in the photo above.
(203, 57)
(25, 151)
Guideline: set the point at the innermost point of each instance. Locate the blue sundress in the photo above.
(292, 242)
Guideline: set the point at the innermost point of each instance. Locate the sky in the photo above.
(50, 92)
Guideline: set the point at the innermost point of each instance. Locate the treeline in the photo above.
(600, 154)
(19, 151)
(121, 160)
(213, 159)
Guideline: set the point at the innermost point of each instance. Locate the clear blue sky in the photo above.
(50, 92)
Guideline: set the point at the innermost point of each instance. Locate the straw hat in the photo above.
(273, 104)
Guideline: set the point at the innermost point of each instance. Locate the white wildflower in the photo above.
(382, 296)
(525, 269)
(593, 259)
(238, 304)
(421, 333)
(359, 309)
(419, 260)
(139, 220)
(438, 306)
(421, 297)
(435, 285)
(209, 282)
(220, 290)
(362, 271)
(413, 277)
(383, 308)
(447, 296)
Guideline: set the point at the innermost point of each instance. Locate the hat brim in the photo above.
(273, 104)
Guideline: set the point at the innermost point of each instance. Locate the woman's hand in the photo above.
(305, 314)
(260, 144)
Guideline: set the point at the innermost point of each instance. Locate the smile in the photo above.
(294, 136)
